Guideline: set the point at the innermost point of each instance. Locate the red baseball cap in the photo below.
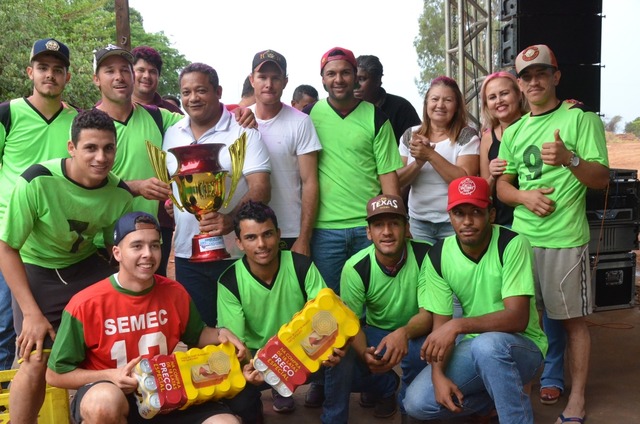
(338, 53)
(472, 190)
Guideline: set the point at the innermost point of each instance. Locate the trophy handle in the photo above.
(158, 157)
(237, 152)
(173, 198)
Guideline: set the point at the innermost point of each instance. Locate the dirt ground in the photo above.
(624, 154)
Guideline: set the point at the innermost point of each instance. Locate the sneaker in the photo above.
(368, 400)
(315, 396)
(282, 404)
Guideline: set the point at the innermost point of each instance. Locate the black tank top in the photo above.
(504, 213)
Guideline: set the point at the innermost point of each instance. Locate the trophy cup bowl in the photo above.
(200, 180)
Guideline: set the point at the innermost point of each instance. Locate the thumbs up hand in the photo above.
(555, 153)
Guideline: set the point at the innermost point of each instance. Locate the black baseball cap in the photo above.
(262, 57)
(53, 47)
(130, 223)
(100, 55)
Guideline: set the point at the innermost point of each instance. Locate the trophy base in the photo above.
(207, 248)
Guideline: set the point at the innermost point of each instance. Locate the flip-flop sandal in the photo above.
(564, 419)
(549, 395)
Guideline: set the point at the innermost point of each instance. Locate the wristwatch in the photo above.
(573, 162)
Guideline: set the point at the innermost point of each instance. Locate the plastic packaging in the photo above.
(297, 351)
(182, 379)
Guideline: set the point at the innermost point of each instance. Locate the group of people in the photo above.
(443, 292)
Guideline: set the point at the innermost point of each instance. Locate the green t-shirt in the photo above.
(253, 310)
(31, 139)
(53, 220)
(390, 300)
(582, 133)
(356, 149)
(504, 270)
(132, 161)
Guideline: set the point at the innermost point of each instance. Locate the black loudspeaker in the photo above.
(617, 204)
(571, 28)
(613, 280)
(614, 213)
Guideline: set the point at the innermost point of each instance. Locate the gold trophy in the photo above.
(200, 180)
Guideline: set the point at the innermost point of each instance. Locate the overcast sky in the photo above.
(226, 35)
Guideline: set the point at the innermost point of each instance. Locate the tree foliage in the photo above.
(633, 127)
(430, 42)
(83, 25)
(612, 123)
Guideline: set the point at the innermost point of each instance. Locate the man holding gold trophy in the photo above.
(212, 204)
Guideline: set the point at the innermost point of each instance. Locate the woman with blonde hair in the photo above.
(435, 153)
(502, 105)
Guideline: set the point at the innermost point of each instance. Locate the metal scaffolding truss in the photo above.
(468, 48)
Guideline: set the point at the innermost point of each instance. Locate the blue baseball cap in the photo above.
(53, 47)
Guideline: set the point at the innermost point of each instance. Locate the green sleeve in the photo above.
(592, 145)
(434, 294)
(68, 350)
(169, 118)
(195, 325)
(505, 151)
(352, 289)
(230, 313)
(385, 150)
(3, 137)
(108, 231)
(517, 271)
(313, 282)
(20, 215)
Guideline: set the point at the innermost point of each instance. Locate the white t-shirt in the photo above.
(429, 191)
(287, 135)
(226, 131)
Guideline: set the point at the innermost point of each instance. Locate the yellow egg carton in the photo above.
(300, 346)
(182, 379)
(212, 372)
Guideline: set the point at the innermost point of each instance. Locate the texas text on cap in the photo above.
(386, 203)
(269, 56)
(472, 190)
(53, 47)
(131, 222)
(535, 55)
(111, 50)
(338, 53)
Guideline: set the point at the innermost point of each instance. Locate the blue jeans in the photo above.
(489, 369)
(553, 372)
(330, 249)
(7, 333)
(411, 364)
(201, 281)
(430, 231)
(351, 375)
